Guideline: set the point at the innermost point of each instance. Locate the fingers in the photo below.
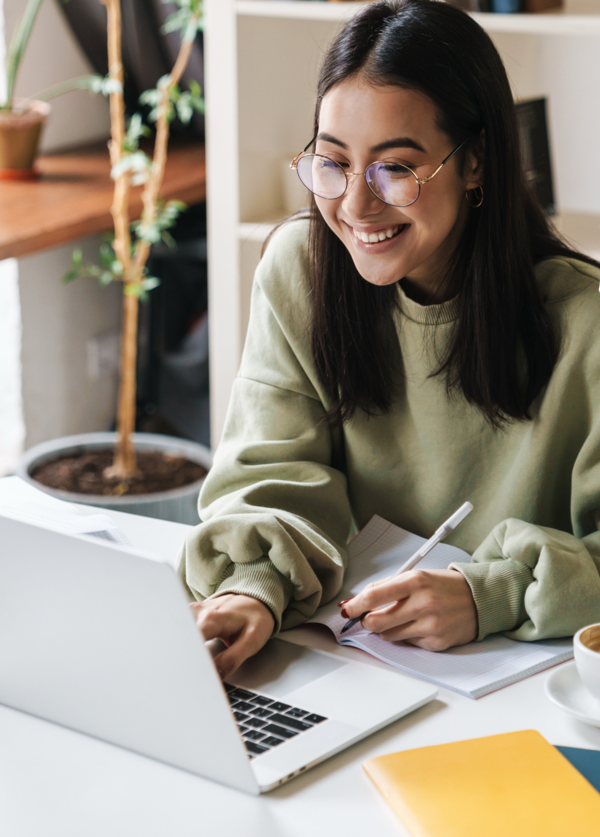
(383, 592)
(394, 615)
(248, 643)
(213, 623)
(243, 623)
(426, 632)
(438, 613)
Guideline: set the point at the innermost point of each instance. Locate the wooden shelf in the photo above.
(73, 197)
(569, 22)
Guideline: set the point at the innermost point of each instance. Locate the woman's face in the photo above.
(360, 124)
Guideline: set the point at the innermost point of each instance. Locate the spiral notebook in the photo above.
(472, 670)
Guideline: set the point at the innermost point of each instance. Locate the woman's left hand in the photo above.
(433, 609)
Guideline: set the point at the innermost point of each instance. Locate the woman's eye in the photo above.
(395, 170)
(324, 163)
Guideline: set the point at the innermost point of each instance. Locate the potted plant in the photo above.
(163, 477)
(22, 120)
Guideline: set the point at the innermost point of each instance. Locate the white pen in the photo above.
(438, 536)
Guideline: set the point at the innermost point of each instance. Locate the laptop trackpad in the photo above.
(280, 668)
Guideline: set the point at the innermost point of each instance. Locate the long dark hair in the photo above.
(503, 347)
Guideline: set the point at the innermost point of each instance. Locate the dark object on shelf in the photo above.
(535, 151)
(505, 7)
(532, 6)
(471, 5)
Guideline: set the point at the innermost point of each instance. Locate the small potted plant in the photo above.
(22, 120)
(158, 476)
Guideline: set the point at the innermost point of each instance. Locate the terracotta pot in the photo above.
(20, 132)
(178, 504)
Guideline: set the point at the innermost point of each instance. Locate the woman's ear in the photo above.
(474, 163)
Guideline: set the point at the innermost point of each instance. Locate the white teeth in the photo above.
(372, 238)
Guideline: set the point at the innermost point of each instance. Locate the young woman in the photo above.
(424, 339)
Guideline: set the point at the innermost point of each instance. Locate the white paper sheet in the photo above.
(473, 670)
(22, 501)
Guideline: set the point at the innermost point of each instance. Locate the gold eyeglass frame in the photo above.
(347, 174)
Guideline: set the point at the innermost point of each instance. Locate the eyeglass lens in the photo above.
(390, 182)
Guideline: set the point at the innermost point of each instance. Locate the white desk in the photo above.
(58, 783)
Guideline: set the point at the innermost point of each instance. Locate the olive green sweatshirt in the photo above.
(284, 490)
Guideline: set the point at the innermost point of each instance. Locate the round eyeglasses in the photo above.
(392, 183)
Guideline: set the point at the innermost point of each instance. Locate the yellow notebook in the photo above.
(511, 785)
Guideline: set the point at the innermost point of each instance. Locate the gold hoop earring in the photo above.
(480, 196)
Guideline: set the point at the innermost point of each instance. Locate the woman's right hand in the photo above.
(244, 624)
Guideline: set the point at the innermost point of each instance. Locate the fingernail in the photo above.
(341, 604)
(220, 672)
(344, 614)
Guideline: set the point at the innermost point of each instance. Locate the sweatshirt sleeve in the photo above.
(274, 506)
(534, 582)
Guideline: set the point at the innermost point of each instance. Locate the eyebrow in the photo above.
(397, 142)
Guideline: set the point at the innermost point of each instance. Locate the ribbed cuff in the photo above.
(262, 580)
(498, 588)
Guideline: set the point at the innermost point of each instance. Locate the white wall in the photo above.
(58, 321)
(59, 398)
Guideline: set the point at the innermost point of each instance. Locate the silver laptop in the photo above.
(99, 637)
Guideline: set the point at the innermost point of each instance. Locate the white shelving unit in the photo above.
(262, 59)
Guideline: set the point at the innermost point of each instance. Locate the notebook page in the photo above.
(472, 670)
(21, 501)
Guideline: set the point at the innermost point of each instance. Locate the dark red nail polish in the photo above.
(341, 604)
(344, 614)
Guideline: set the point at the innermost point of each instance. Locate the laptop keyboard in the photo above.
(264, 722)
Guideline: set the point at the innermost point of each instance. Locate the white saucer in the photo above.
(565, 689)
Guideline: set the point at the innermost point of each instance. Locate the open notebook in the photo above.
(473, 670)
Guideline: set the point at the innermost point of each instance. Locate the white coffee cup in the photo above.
(586, 645)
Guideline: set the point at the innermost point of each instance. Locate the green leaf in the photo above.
(100, 84)
(77, 258)
(138, 165)
(150, 282)
(135, 130)
(107, 255)
(150, 97)
(188, 19)
(18, 45)
(70, 276)
(105, 277)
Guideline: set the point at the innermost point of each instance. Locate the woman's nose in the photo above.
(358, 199)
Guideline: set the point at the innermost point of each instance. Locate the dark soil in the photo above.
(84, 473)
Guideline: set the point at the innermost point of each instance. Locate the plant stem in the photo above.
(79, 83)
(124, 464)
(152, 188)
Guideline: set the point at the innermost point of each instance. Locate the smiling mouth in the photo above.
(380, 235)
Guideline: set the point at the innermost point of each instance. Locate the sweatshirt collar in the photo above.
(444, 312)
